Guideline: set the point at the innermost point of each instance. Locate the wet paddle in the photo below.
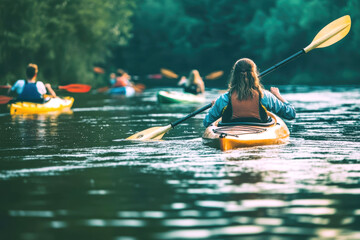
(73, 88)
(76, 88)
(214, 75)
(330, 34)
(158, 132)
(170, 74)
(137, 87)
(4, 99)
(99, 70)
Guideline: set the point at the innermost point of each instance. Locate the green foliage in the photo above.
(211, 35)
(65, 38)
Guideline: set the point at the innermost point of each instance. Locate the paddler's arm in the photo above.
(278, 105)
(51, 91)
(15, 89)
(11, 91)
(201, 87)
(216, 110)
(276, 92)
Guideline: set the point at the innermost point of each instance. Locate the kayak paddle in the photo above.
(4, 99)
(157, 133)
(214, 75)
(330, 34)
(76, 88)
(137, 87)
(168, 73)
(99, 70)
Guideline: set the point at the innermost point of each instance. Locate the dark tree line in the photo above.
(210, 35)
(67, 38)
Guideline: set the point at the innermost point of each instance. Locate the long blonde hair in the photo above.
(194, 78)
(244, 79)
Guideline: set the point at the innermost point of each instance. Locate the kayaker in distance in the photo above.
(193, 84)
(30, 90)
(246, 100)
(112, 79)
(122, 80)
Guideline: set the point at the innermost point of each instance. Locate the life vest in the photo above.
(30, 93)
(248, 110)
(121, 82)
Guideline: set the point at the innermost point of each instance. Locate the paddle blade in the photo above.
(168, 73)
(103, 89)
(155, 133)
(99, 70)
(214, 75)
(331, 33)
(76, 88)
(139, 87)
(154, 76)
(4, 99)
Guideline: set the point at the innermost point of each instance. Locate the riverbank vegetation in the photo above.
(68, 38)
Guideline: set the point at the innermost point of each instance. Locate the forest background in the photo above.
(68, 38)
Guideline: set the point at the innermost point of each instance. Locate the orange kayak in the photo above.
(227, 137)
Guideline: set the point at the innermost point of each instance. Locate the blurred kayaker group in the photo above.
(245, 100)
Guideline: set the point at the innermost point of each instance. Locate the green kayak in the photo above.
(179, 97)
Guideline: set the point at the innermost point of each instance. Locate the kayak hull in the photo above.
(239, 136)
(179, 97)
(53, 105)
(127, 91)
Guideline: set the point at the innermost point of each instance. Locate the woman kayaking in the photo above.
(122, 80)
(247, 100)
(30, 90)
(193, 84)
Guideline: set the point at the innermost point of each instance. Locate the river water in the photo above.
(73, 176)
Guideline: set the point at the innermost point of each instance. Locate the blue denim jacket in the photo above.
(269, 101)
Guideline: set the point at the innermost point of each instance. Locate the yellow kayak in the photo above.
(227, 137)
(53, 105)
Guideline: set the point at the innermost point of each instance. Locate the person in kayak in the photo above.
(193, 84)
(123, 80)
(246, 100)
(112, 80)
(30, 90)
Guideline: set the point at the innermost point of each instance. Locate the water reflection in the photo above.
(36, 127)
(75, 175)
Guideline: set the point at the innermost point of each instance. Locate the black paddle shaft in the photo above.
(191, 115)
(269, 70)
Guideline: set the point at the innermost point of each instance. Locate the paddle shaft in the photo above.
(173, 124)
(269, 70)
(292, 57)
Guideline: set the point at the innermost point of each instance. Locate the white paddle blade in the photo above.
(331, 33)
(155, 133)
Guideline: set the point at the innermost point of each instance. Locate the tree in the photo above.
(65, 38)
